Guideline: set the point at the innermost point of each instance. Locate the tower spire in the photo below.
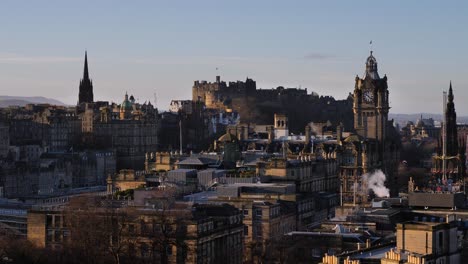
(450, 95)
(371, 67)
(86, 85)
(85, 71)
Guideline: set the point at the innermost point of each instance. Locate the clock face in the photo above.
(368, 96)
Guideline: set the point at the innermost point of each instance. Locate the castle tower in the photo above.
(86, 85)
(371, 104)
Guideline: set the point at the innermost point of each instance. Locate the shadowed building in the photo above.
(4, 139)
(259, 105)
(167, 233)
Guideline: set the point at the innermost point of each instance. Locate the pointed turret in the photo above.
(450, 94)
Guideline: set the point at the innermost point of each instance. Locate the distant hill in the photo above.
(6, 101)
(402, 119)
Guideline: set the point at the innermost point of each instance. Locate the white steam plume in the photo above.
(376, 182)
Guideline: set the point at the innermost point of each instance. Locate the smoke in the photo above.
(376, 182)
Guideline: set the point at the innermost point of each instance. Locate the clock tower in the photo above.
(370, 104)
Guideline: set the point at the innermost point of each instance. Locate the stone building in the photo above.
(309, 173)
(130, 129)
(56, 173)
(182, 106)
(422, 129)
(218, 94)
(266, 216)
(427, 242)
(188, 129)
(52, 127)
(125, 180)
(162, 161)
(181, 233)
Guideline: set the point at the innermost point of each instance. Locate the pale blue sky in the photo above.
(147, 47)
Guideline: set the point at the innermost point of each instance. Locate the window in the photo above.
(257, 232)
(246, 230)
(246, 212)
(131, 229)
(49, 220)
(50, 235)
(57, 235)
(144, 250)
(259, 212)
(169, 250)
(57, 220)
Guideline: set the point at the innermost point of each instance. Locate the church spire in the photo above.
(85, 72)
(86, 85)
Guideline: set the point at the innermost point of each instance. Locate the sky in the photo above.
(149, 48)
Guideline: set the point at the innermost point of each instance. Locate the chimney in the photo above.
(339, 135)
(307, 135)
(270, 131)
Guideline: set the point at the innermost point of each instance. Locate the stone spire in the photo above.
(85, 72)
(86, 85)
(450, 95)
(451, 125)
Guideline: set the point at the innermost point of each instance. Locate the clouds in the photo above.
(318, 56)
(13, 58)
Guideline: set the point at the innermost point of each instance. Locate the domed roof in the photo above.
(353, 138)
(228, 137)
(126, 104)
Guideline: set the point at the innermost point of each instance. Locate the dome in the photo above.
(126, 104)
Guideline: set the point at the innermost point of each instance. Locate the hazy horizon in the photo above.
(161, 47)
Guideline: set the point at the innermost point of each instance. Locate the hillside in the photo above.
(6, 101)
